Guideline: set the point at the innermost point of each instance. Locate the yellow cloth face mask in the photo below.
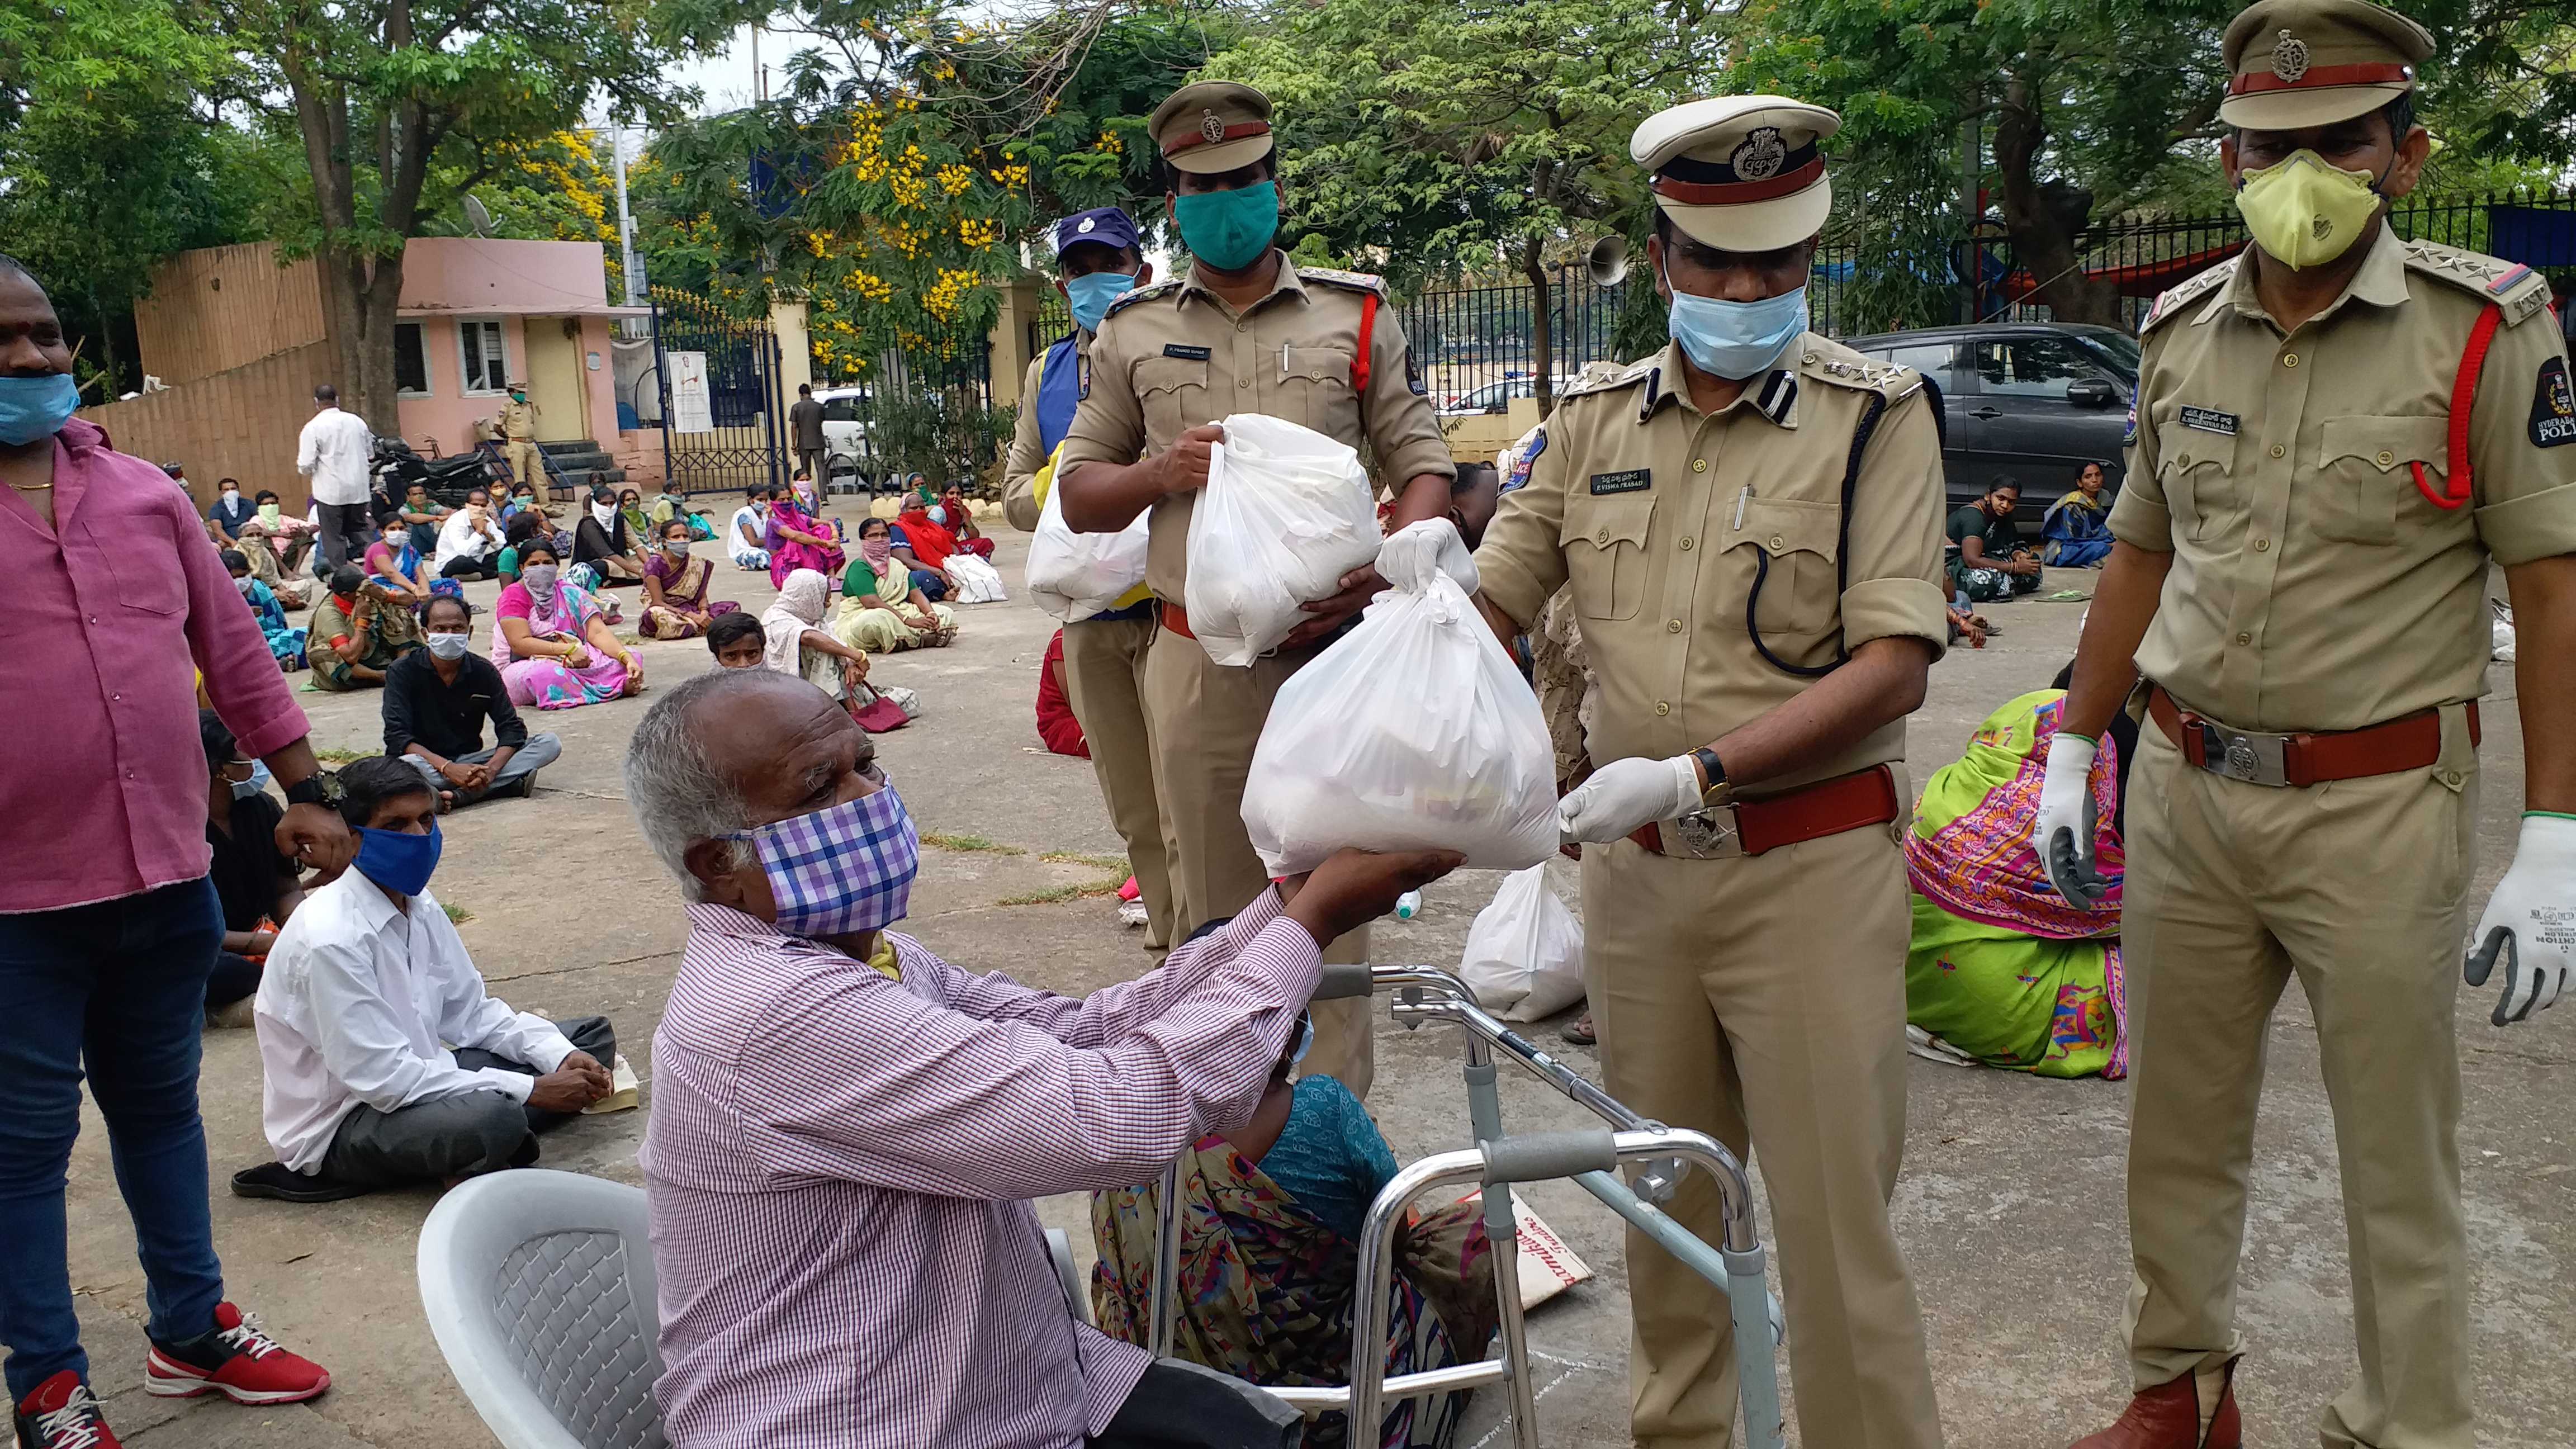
(2305, 213)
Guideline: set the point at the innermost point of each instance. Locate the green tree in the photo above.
(1428, 138)
(401, 105)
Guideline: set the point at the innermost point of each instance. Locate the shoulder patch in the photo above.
(1348, 281)
(2553, 406)
(1135, 295)
(1845, 368)
(2174, 299)
(2516, 290)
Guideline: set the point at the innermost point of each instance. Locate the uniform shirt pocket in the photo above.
(1173, 392)
(1605, 554)
(2201, 482)
(1787, 548)
(1315, 386)
(2365, 473)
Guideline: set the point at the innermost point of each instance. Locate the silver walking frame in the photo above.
(1590, 1157)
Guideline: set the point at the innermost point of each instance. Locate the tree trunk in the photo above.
(2042, 249)
(1542, 327)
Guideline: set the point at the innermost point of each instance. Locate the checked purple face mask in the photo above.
(842, 869)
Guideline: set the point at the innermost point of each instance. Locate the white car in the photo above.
(1495, 398)
(846, 448)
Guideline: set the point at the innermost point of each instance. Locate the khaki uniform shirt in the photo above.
(1173, 356)
(2313, 586)
(1663, 519)
(518, 420)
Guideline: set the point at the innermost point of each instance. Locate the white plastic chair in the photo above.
(539, 1289)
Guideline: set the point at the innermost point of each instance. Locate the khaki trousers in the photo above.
(2359, 888)
(1205, 719)
(523, 461)
(1762, 1001)
(1104, 681)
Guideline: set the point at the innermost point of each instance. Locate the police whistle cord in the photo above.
(2454, 492)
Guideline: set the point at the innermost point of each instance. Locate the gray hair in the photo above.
(678, 795)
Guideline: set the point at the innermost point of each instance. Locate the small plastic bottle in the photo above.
(1408, 905)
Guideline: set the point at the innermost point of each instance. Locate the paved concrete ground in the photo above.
(2010, 1208)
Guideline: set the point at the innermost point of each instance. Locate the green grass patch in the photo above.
(1061, 894)
(1096, 862)
(456, 915)
(969, 844)
(339, 757)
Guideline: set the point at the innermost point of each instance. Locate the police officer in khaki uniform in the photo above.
(1750, 521)
(1241, 331)
(519, 437)
(1098, 261)
(2300, 573)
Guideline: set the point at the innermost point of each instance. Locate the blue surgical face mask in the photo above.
(398, 861)
(36, 407)
(1229, 230)
(1091, 293)
(1736, 339)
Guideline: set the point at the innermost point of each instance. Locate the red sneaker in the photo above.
(235, 1360)
(62, 1414)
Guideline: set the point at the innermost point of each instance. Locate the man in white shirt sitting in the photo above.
(470, 541)
(365, 983)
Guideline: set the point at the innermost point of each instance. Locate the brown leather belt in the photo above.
(1752, 827)
(2300, 759)
(1177, 619)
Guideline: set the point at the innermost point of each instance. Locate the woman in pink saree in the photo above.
(552, 643)
(799, 540)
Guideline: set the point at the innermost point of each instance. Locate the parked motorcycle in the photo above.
(396, 466)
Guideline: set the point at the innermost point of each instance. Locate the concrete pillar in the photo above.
(1010, 340)
(795, 347)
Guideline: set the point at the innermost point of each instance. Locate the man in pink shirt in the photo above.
(846, 1129)
(108, 923)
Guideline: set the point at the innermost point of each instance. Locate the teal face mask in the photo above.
(1229, 230)
(1090, 294)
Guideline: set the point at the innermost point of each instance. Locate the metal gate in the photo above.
(723, 416)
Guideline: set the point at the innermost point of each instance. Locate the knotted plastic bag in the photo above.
(1524, 957)
(1285, 513)
(1076, 575)
(1412, 732)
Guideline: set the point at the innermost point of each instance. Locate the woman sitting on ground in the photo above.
(2003, 970)
(394, 565)
(630, 506)
(259, 547)
(880, 609)
(798, 644)
(2076, 531)
(747, 535)
(958, 517)
(553, 644)
(514, 535)
(1271, 1216)
(962, 577)
(255, 887)
(285, 643)
(676, 582)
(668, 505)
(798, 540)
(600, 540)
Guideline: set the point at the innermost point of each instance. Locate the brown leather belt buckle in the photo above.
(1756, 827)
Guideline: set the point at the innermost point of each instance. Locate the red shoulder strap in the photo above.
(1368, 329)
(2454, 492)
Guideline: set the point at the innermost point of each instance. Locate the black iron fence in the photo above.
(722, 417)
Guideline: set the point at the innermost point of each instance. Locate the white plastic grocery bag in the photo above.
(1285, 513)
(1524, 955)
(1076, 575)
(977, 581)
(1412, 732)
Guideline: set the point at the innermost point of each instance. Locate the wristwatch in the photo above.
(1719, 791)
(319, 788)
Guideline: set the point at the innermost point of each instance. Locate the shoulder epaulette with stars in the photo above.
(1348, 281)
(2516, 290)
(1845, 368)
(1604, 376)
(2172, 299)
(1135, 295)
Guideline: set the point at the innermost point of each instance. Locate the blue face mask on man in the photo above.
(397, 860)
(1090, 294)
(1736, 339)
(1229, 230)
(36, 407)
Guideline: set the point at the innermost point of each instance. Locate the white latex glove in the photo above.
(2064, 833)
(1625, 794)
(2530, 921)
(1410, 555)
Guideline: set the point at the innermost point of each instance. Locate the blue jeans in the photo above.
(121, 985)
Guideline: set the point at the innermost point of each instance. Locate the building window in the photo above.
(411, 360)
(487, 362)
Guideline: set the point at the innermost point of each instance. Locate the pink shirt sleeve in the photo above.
(514, 603)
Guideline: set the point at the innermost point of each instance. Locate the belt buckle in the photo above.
(1708, 833)
(2254, 759)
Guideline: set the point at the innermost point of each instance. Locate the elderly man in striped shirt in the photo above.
(846, 1129)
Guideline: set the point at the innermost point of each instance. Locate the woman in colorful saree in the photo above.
(2003, 970)
(880, 610)
(552, 642)
(676, 582)
(798, 540)
(1270, 1268)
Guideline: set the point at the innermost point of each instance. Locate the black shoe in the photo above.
(279, 1181)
